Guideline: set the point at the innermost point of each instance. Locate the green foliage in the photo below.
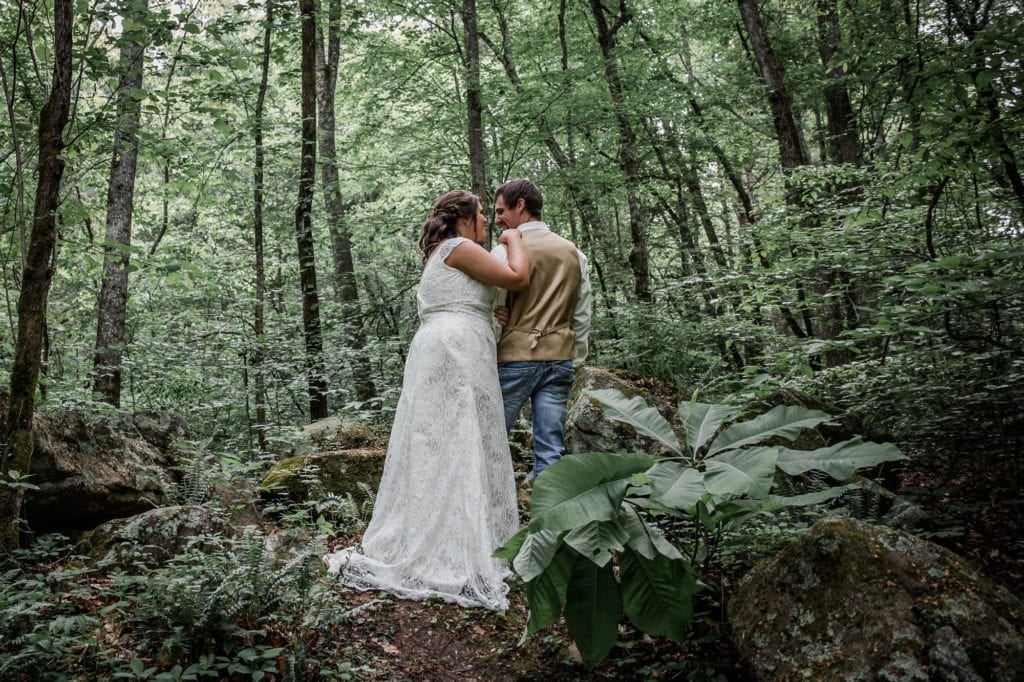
(591, 511)
(244, 608)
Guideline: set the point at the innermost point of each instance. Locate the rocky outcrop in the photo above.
(153, 537)
(89, 470)
(849, 601)
(587, 429)
(316, 474)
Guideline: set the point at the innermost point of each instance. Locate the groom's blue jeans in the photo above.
(547, 385)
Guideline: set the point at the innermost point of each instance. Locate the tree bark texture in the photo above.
(791, 151)
(843, 142)
(318, 407)
(36, 278)
(629, 160)
(474, 103)
(341, 239)
(113, 300)
(260, 276)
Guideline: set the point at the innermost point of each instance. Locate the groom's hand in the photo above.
(502, 314)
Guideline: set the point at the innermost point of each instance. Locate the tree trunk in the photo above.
(341, 240)
(474, 103)
(628, 157)
(259, 324)
(843, 141)
(120, 198)
(318, 407)
(38, 273)
(791, 151)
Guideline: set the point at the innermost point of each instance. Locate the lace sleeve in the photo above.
(447, 246)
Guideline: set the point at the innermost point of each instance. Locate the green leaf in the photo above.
(546, 592)
(511, 547)
(637, 413)
(783, 421)
(676, 485)
(656, 594)
(536, 553)
(645, 539)
(701, 421)
(740, 472)
(593, 607)
(582, 488)
(773, 502)
(839, 461)
(597, 540)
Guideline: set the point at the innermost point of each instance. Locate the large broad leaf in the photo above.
(656, 594)
(511, 547)
(597, 540)
(647, 540)
(741, 472)
(578, 489)
(839, 461)
(784, 421)
(546, 592)
(701, 421)
(593, 607)
(676, 485)
(774, 502)
(536, 553)
(637, 413)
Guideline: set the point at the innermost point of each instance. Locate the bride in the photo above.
(447, 496)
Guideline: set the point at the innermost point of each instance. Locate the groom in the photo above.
(546, 327)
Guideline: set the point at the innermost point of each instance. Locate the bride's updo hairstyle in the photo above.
(442, 222)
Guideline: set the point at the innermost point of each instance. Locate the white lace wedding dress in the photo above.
(447, 496)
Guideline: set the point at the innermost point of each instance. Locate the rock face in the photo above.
(849, 601)
(89, 471)
(313, 475)
(588, 430)
(153, 537)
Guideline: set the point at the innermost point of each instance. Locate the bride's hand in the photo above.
(509, 234)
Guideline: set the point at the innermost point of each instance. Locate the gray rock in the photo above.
(89, 472)
(849, 601)
(153, 537)
(587, 429)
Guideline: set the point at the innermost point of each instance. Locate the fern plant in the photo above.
(591, 511)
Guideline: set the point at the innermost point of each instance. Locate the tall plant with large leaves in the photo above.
(592, 511)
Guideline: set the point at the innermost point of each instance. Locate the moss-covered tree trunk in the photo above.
(35, 283)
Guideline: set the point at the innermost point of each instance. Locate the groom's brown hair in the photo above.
(514, 190)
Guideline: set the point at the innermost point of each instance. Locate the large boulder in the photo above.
(849, 601)
(155, 536)
(89, 471)
(317, 474)
(587, 429)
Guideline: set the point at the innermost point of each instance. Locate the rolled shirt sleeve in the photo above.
(581, 316)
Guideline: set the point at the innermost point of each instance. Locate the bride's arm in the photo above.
(473, 260)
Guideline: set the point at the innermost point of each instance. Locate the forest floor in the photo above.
(974, 510)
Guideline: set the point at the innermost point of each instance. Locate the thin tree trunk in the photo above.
(38, 273)
(259, 324)
(474, 103)
(318, 407)
(120, 199)
(842, 140)
(628, 157)
(341, 240)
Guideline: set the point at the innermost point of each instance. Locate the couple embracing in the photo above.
(447, 496)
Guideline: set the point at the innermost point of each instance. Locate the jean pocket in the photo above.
(564, 372)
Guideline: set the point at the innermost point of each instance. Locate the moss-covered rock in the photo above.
(313, 475)
(849, 601)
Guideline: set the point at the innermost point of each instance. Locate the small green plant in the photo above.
(591, 511)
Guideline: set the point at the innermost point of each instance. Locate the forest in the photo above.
(211, 209)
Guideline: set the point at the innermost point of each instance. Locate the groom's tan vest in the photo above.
(540, 322)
